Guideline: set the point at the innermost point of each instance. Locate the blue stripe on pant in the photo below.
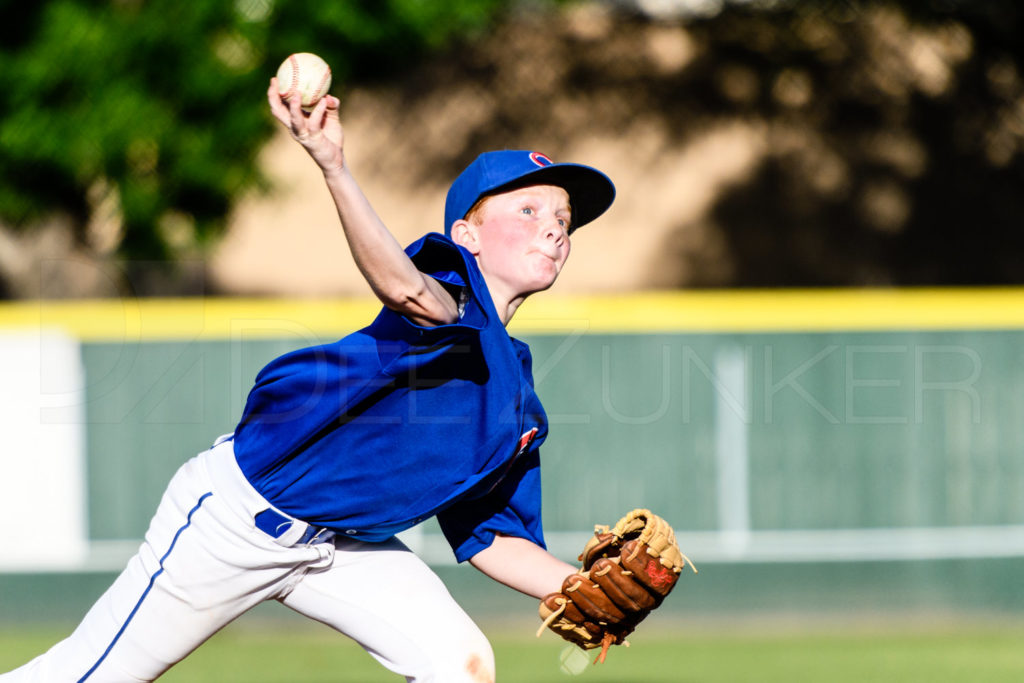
(149, 587)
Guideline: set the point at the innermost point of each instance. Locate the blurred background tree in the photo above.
(899, 141)
(890, 132)
(145, 108)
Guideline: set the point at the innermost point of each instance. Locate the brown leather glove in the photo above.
(627, 571)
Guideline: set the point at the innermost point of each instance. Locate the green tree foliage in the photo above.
(158, 103)
(911, 114)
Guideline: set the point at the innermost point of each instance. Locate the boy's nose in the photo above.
(552, 230)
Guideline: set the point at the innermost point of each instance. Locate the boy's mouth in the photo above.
(553, 255)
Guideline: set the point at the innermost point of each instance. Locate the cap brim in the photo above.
(590, 191)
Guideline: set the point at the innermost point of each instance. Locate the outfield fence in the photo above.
(798, 441)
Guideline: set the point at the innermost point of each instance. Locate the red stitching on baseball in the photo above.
(323, 83)
(293, 87)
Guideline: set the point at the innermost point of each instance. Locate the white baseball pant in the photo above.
(203, 563)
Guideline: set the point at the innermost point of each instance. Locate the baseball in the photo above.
(306, 75)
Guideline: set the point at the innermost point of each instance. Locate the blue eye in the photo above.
(528, 210)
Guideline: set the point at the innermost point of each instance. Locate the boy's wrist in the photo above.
(333, 171)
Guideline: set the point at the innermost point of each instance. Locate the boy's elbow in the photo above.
(421, 304)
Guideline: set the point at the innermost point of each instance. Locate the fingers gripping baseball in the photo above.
(319, 131)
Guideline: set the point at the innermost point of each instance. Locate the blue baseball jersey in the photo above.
(396, 423)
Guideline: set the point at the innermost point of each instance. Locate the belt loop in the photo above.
(293, 534)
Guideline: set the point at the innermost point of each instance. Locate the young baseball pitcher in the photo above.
(428, 411)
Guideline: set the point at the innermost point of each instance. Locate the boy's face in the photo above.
(521, 238)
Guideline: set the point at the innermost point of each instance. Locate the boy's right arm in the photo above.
(392, 276)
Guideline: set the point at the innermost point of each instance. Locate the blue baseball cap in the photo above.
(590, 191)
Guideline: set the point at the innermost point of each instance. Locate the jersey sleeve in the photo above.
(405, 346)
(449, 264)
(512, 508)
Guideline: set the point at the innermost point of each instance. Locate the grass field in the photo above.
(988, 653)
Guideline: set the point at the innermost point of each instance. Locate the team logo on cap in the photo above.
(540, 159)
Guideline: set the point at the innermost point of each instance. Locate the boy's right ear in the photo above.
(465, 235)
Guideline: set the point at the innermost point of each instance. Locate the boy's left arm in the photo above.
(522, 565)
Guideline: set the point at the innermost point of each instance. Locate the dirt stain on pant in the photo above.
(478, 671)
